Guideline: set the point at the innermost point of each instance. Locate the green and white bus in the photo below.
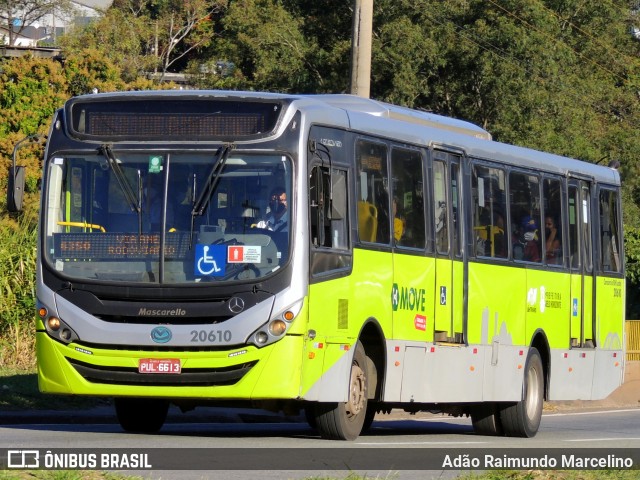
(417, 264)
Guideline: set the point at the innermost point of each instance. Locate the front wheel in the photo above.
(522, 419)
(141, 415)
(344, 421)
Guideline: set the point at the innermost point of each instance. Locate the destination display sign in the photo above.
(119, 246)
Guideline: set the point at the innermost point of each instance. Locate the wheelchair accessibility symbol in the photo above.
(210, 260)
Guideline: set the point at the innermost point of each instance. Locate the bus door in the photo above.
(581, 263)
(447, 205)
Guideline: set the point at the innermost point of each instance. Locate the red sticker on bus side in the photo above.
(420, 322)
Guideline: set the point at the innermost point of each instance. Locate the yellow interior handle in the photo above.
(83, 225)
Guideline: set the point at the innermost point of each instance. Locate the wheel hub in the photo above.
(357, 394)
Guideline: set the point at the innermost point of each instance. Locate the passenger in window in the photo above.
(276, 219)
(491, 232)
(497, 235)
(525, 246)
(553, 243)
(399, 223)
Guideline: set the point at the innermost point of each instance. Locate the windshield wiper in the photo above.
(134, 204)
(203, 200)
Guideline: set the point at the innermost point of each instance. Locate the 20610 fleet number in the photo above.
(211, 336)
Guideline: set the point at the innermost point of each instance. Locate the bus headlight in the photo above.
(261, 338)
(277, 328)
(53, 324)
(59, 330)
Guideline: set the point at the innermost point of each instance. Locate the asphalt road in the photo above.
(221, 447)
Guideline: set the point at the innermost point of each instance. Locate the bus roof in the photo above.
(400, 123)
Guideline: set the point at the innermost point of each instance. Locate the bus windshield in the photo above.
(167, 217)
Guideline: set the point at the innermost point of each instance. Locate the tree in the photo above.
(119, 36)
(16, 15)
(181, 27)
(142, 36)
(265, 43)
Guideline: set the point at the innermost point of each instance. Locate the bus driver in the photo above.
(276, 219)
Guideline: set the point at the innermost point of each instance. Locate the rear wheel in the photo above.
(141, 415)
(522, 419)
(344, 421)
(485, 418)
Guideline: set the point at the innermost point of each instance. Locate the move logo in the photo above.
(404, 298)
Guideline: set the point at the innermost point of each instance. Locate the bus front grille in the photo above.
(192, 377)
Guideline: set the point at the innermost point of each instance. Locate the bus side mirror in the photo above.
(15, 189)
(15, 186)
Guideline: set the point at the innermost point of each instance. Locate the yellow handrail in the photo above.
(83, 225)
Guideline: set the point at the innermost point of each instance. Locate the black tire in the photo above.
(141, 415)
(485, 418)
(522, 419)
(369, 417)
(344, 421)
(310, 415)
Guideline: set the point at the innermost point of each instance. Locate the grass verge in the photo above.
(19, 391)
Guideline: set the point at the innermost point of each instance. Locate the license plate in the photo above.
(159, 365)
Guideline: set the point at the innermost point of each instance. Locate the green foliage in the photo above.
(17, 297)
(119, 37)
(30, 91)
(267, 46)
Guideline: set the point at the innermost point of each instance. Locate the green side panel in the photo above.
(280, 372)
(577, 307)
(448, 297)
(338, 308)
(513, 303)
(582, 308)
(444, 294)
(413, 297)
(275, 375)
(610, 313)
(548, 306)
(497, 299)
(458, 297)
(588, 293)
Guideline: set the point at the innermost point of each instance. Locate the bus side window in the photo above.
(373, 201)
(574, 251)
(408, 204)
(328, 205)
(440, 207)
(553, 222)
(526, 233)
(489, 208)
(329, 220)
(610, 232)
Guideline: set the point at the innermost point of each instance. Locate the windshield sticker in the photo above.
(155, 163)
(210, 260)
(244, 254)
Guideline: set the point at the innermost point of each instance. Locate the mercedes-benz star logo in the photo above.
(236, 304)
